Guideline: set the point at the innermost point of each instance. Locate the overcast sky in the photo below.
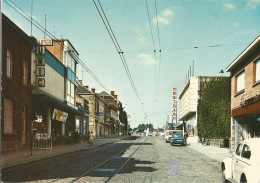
(210, 32)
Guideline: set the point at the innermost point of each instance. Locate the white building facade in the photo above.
(188, 106)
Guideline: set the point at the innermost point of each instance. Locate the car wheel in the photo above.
(172, 144)
(243, 179)
(224, 180)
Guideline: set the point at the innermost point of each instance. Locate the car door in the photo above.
(236, 168)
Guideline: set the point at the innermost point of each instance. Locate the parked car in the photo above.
(244, 165)
(150, 134)
(168, 134)
(177, 138)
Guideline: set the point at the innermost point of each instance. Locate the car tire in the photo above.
(224, 180)
(243, 179)
(172, 144)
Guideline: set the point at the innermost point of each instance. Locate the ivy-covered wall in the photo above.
(214, 111)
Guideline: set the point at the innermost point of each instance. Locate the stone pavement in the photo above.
(216, 153)
(17, 158)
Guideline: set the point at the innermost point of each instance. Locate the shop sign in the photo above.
(174, 104)
(250, 98)
(46, 42)
(40, 67)
(59, 115)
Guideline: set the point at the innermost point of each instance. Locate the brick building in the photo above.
(245, 94)
(16, 87)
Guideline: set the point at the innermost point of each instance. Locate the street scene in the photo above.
(149, 159)
(130, 91)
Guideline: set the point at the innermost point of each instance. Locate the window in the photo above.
(246, 152)
(240, 82)
(25, 72)
(9, 64)
(68, 87)
(72, 89)
(257, 70)
(239, 148)
(8, 116)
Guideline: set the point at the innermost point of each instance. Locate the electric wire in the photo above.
(116, 44)
(169, 49)
(154, 50)
(119, 49)
(159, 38)
(41, 28)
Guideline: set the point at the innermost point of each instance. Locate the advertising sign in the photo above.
(174, 104)
(59, 115)
(47, 42)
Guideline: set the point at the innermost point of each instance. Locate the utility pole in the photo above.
(1, 31)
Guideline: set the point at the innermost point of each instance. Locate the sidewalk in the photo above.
(216, 153)
(17, 158)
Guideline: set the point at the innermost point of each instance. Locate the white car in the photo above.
(244, 165)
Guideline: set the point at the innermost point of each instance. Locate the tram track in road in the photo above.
(106, 165)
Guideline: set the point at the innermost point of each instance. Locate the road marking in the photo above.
(105, 170)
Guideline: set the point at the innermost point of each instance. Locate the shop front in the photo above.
(246, 118)
(54, 118)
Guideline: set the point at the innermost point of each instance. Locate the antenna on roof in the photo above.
(45, 27)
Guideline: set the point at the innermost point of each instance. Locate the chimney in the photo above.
(93, 90)
(115, 96)
(221, 73)
(112, 93)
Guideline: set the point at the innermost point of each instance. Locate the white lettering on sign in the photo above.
(40, 82)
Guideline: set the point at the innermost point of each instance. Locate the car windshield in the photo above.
(171, 132)
(177, 135)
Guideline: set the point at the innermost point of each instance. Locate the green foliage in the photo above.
(214, 111)
(143, 127)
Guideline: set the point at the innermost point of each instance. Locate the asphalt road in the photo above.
(145, 159)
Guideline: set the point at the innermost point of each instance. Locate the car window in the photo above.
(246, 152)
(239, 149)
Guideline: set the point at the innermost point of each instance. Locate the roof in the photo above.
(29, 39)
(245, 53)
(82, 89)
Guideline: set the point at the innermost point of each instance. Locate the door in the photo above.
(23, 125)
(240, 161)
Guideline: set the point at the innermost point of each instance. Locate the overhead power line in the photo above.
(154, 50)
(42, 29)
(105, 21)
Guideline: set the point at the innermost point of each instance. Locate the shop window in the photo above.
(25, 72)
(240, 82)
(9, 64)
(8, 116)
(257, 71)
